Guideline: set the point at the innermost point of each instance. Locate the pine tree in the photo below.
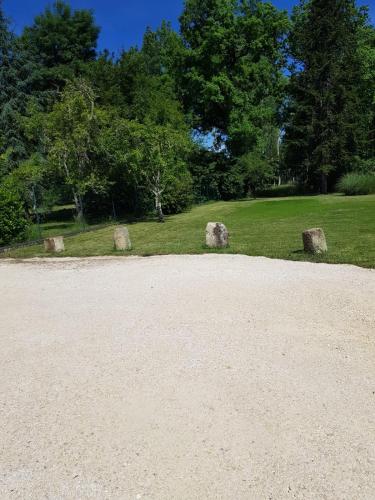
(61, 40)
(323, 131)
(16, 71)
(367, 93)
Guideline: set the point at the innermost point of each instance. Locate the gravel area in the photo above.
(186, 377)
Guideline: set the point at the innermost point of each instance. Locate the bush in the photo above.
(364, 166)
(281, 191)
(13, 222)
(356, 184)
(257, 172)
(179, 194)
(231, 183)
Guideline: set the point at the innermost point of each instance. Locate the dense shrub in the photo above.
(13, 222)
(356, 184)
(285, 190)
(364, 166)
(280, 191)
(257, 172)
(231, 183)
(178, 195)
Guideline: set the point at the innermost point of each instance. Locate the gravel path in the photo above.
(186, 377)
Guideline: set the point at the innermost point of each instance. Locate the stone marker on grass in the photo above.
(121, 238)
(314, 241)
(55, 244)
(217, 235)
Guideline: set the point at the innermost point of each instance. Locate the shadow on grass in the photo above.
(50, 227)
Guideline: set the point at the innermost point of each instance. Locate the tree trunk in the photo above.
(252, 191)
(78, 205)
(323, 183)
(159, 210)
(77, 198)
(35, 211)
(114, 213)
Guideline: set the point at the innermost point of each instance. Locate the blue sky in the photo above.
(122, 22)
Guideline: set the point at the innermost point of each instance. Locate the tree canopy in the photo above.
(326, 129)
(241, 97)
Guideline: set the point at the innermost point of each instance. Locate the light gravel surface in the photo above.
(186, 377)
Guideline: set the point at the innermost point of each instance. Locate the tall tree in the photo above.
(147, 78)
(154, 158)
(163, 51)
(16, 83)
(72, 130)
(367, 92)
(233, 79)
(323, 131)
(62, 40)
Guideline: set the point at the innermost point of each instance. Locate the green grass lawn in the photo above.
(268, 227)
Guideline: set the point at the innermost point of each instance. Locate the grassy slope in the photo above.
(269, 227)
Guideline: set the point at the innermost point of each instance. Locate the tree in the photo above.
(155, 102)
(72, 130)
(13, 222)
(155, 95)
(367, 92)
(26, 182)
(233, 83)
(146, 79)
(163, 162)
(153, 158)
(61, 40)
(103, 74)
(324, 125)
(257, 172)
(16, 83)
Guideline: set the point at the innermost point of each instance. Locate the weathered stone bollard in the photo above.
(55, 244)
(121, 238)
(314, 241)
(217, 235)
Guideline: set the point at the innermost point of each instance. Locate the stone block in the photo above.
(314, 241)
(217, 235)
(54, 245)
(121, 238)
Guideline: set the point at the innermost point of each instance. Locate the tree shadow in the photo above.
(51, 227)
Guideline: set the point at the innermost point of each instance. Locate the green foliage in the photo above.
(363, 165)
(152, 157)
(178, 194)
(280, 191)
(5, 159)
(231, 182)
(147, 81)
(217, 176)
(103, 75)
(205, 174)
(162, 51)
(257, 172)
(72, 130)
(16, 81)
(154, 101)
(356, 184)
(233, 83)
(366, 90)
(62, 40)
(325, 129)
(26, 181)
(13, 222)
